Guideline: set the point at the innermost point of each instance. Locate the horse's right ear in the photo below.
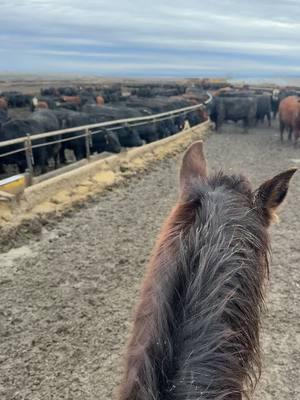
(271, 193)
(193, 165)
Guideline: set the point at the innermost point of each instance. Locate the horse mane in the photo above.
(196, 327)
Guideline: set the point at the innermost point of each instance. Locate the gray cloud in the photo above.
(95, 36)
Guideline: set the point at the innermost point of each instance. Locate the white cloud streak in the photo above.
(132, 36)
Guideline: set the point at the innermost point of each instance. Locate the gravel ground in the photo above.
(66, 296)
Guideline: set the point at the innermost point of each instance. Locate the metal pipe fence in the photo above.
(101, 124)
(89, 130)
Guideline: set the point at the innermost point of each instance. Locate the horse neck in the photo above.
(150, 330)
(195, 329)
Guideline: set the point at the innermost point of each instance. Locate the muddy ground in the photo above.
(66, 295)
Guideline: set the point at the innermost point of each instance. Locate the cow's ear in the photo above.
(271, 193)
(193, 165)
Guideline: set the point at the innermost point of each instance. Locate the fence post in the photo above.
(29, 158)
(88, 140)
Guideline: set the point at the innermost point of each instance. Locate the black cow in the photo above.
(235, 93)
(158, 90)
(17, 99)
(3, 117)
(194, 117)
(111, 94)
(264, 108)
(73, 119)
(165, 127)
(67, 91)
(17, 128)
(173, 103)
(101, 139)
(87, 99)
(90, 107)
(47, 121)
(234, 109)
(146, 131)
(66, 106)
(127, 136)
(51, 91)
(39, 122)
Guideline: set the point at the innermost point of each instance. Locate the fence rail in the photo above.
(62, 132)
(112, 125)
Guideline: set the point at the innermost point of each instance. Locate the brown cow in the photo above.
(38, 104)
(42, 105)
(71, 99)
(100, 100)
(289, 117)
(3, 103)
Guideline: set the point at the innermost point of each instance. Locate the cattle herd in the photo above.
(255, 106)
(57, 108)
(68, 107)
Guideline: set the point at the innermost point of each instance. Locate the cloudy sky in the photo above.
(232, 38)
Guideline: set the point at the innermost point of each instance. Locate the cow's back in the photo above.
(237, 108)
(288, 110)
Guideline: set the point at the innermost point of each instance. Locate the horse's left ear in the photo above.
(193, 165)
(272, 192)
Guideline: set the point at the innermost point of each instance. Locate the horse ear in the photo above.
(272, 192)
(193, 165)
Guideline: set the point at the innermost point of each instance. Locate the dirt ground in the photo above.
(66, 295)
